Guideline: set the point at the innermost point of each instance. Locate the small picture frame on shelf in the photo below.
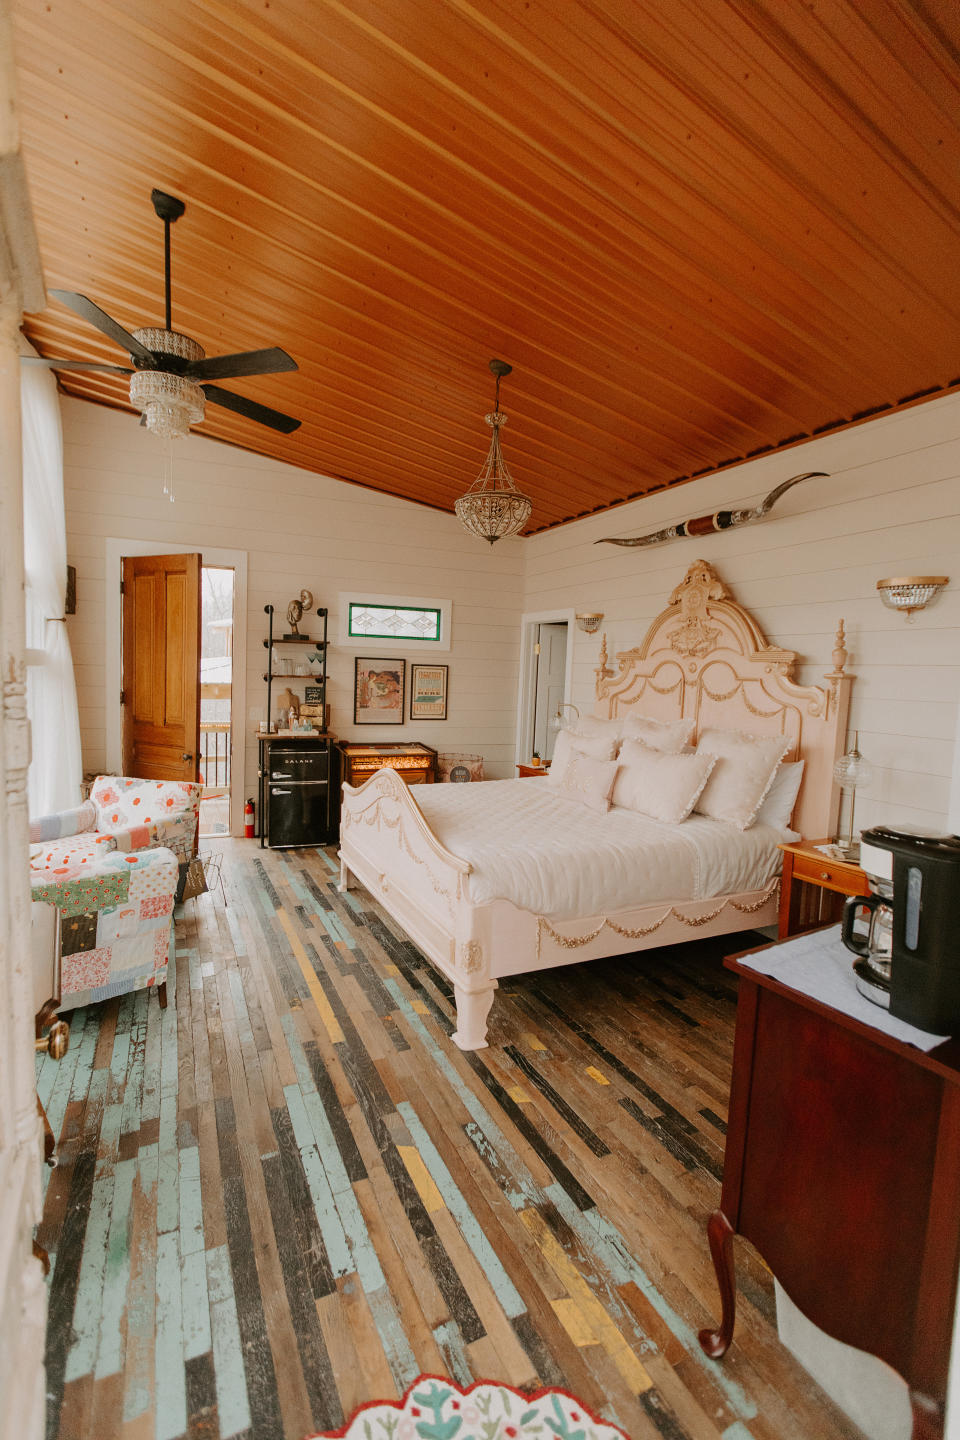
(428, 692)
(378, 691)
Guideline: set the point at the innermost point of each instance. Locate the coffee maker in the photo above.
(904, 933)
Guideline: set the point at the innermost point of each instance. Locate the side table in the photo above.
(524, 770)
(814, 886)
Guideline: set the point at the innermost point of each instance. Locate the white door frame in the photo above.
(525, 690)
(214, 556)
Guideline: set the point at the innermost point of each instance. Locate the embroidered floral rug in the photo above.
(437, 1409)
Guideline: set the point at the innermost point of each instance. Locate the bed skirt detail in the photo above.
(747, 905)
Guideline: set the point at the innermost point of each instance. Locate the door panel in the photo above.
(551, 673)
(161, 666)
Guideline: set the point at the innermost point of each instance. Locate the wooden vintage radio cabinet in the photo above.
(413, 762)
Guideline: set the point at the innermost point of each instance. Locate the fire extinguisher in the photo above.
(248, 820)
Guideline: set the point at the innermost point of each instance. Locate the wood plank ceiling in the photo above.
(698, 229)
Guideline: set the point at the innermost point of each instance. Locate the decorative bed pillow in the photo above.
(669, 736)
(777, 807)
(665, 787)
(746, 765)
(594, 725)
(589, 781)
(597, 747)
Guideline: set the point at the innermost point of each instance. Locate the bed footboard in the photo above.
(388, 846)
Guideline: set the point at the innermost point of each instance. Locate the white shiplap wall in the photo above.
(299, 530)
(890, 507)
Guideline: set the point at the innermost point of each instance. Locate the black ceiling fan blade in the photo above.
(242, 406)
(86, 309)
(75, 365)
(248, 362)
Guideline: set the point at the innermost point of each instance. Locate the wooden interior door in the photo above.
(161, 666)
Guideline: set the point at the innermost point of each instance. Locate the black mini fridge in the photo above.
(297, 785)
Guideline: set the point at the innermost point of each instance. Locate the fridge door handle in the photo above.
(280, 775)
(275, 791)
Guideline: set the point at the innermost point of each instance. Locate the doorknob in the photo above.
(186, 757)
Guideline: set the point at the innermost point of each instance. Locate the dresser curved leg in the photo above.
(720, 1234)
(927, 1417)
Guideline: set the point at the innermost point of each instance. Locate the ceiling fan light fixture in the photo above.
(493, 506)
(170, 403)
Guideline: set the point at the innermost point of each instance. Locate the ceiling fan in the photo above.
(170, 372)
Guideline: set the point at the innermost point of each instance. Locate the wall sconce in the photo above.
(589, 623)
(910, 592)
(556, 721)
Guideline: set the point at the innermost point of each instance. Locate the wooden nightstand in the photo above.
(524, 770)
(814, 886)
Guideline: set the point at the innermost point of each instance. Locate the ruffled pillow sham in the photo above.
(664, 786)
(738, 784)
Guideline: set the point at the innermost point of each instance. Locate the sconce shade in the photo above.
(910, 592)
(589, 623)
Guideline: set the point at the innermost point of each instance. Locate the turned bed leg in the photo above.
(344, 876)
(720, 1234)
(473, 1007)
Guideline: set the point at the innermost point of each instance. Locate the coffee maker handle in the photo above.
(859, 946)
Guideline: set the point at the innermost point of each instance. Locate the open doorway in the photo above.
(217, 594)
(545, 675)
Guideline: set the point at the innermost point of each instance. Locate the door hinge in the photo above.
(123, 697)
(122, 588)
(536, 648)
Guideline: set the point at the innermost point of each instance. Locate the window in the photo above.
(394, 622)
(397, 622)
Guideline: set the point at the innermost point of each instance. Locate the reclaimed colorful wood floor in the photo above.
(291, 1193)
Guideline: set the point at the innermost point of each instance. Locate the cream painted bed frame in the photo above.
(703, 657)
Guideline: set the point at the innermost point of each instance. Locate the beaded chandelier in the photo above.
(493, 506)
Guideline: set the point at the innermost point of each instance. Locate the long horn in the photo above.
(720, 520)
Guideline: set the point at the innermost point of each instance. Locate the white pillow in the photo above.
(597, 747)
(589, 781)
(667, 735)
(746, 765)
(595, 725)
(777, 808)
(665, 787)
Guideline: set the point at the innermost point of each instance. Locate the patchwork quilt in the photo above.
(116, 922)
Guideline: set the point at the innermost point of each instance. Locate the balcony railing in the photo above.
(215, 754)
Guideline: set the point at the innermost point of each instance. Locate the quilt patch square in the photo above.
(153, 906)
(78, 932)
(84, 970)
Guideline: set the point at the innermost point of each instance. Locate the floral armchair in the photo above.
(113, 867)
(121, 814)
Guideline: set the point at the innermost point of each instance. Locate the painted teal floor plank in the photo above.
(233, 1406)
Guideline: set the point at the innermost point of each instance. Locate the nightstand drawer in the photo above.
(830, 874)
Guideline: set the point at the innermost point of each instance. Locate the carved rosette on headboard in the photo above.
(704, 657)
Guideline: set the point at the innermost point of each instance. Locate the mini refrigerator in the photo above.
(298, 786)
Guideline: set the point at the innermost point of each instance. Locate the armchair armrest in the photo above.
(63, 823)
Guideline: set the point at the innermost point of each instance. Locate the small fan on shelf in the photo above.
(170, 372)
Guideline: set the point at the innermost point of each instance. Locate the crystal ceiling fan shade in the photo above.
(493, 507)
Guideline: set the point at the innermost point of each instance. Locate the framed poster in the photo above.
(378, 686)
(428, 692)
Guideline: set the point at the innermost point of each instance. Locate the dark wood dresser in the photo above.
(842, 1167)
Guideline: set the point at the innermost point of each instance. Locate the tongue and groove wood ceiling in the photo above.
(697, 229)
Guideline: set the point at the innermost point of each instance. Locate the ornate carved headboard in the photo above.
(706, 658)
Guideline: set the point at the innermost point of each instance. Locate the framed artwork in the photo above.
(428, 692)
(378, 686)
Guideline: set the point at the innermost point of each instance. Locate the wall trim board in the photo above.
(236, 560)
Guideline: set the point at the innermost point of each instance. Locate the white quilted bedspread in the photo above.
(549, 854)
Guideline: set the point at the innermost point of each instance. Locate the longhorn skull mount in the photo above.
(720, 520)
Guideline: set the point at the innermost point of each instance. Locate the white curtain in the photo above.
(53, 780)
